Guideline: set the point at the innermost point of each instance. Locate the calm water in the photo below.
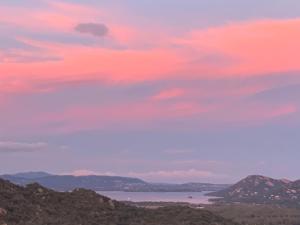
(197, 197)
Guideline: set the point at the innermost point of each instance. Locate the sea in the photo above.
(188, 197)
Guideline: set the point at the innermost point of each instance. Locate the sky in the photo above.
(167, 91)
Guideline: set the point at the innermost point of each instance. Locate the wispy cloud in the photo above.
(84, 172)
(179, 151)
(10, 146)
(169, 94)
(191, 175)
(29, 147)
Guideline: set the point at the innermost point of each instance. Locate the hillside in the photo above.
(105, 183)
(261, 190)
(36, 205)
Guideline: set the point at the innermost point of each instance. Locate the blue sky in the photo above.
(174, 91)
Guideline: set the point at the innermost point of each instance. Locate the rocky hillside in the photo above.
(36, 205)
(262, 190)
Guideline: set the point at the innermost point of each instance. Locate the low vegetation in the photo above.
(250, 214)
(36, 205)
(244, 214)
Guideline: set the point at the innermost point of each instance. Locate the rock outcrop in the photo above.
(2, 216)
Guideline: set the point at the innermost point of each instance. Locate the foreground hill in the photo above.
(105, 183)
(262, 190)
(36, 205)
(244, 214)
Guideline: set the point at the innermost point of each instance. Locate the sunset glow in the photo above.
(112, 82)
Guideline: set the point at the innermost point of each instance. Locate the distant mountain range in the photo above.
(105, 183)
(261, 190)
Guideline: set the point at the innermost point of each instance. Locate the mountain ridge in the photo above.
(261, 190)
(31, 174)
(107, 183)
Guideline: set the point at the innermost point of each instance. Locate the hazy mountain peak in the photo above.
(32, 174)
(105, 183)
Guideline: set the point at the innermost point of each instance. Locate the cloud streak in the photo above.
(245, 55)
(176, 175)
(17, 147)
(84, 172)
(254, 47)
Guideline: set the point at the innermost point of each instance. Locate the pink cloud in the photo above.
(71, 8)
(252, 47)
(284, 111)
(233, 50)
(251, 114)
(124, 115)
(56, 16)
(150, 114)
(237, 49)
(88, 63)
(169, 94)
